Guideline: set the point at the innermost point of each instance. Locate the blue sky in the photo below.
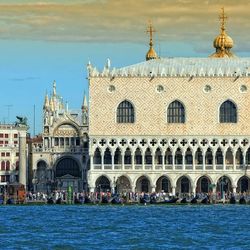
(43, 41)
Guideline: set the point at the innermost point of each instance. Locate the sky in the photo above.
(43, 41)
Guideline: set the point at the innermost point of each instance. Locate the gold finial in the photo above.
(151, 53)
(150, 30)
(223, 43)
(222, 17)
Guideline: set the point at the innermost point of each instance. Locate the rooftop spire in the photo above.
(46, 101)
(151, 53)
(54, 88)
(84, 103)
(223, 43)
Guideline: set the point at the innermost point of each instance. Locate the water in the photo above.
(125, 227)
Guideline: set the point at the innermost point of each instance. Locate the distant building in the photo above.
(13, 154)
(59, 155)
(180, 125)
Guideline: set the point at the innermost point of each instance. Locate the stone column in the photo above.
(193, 189)
(91, 162)
(163, 161)
(153, 161)
(143, 160)
(203, 160)
(183, 161)
(113, 160)
(214, 163)
(22, 157)
(234, 189)
(173, 160)
(102, 162)
(244, 160)
(173, 190)
(153, 188)
(224, 160)
(193, 165)
(133, 160)
(122, 155)
(234, 160)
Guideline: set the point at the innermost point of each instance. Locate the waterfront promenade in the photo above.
(128, 198)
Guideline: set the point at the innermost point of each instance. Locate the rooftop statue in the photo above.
(21, 121)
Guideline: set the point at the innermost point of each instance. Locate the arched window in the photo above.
(125, 113)
(176, 112)
(228, 112)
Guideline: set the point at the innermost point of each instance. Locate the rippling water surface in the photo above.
(125, 227)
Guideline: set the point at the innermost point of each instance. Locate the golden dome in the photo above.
(223, 40)
(151, 53)
(223, 43)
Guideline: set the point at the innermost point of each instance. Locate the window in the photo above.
(1, 135)
(3, 154)
(125, 112)
(176, 113)
(7, 166)
(15, 135)
(8, 154)
(228, 112)
(6, 136)
(3, 165)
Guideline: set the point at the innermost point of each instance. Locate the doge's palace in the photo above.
(181, 125)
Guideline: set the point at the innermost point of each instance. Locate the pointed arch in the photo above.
(107, 157)
(163, 184)
(178, 157)
(198, 157)
(103, 184)
(219, 157)
(127, 156)
(123, 184)
(188, 157)
(118, 156)
(243, 184)
(229, 156)
(209, 157)
(148, 156)
(239, 157)
(125, 112)
(228, 112)
(168, 157)
(138, 156)
(202, 184)
(97, 156)
(158, 156)
(143, 184)
(176, 112)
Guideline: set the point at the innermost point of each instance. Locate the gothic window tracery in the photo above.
(125, 112)
(228, 112)
(176, 112)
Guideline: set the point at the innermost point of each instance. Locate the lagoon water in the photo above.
(125, 227)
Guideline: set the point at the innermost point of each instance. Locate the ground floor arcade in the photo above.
(172, 183)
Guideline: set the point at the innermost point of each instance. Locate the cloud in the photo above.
(29, 78)
(188, 21)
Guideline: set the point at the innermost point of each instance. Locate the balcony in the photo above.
(188, 168)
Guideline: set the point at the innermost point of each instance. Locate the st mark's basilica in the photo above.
(181, 125)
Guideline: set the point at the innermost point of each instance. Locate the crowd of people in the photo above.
(59, 197)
